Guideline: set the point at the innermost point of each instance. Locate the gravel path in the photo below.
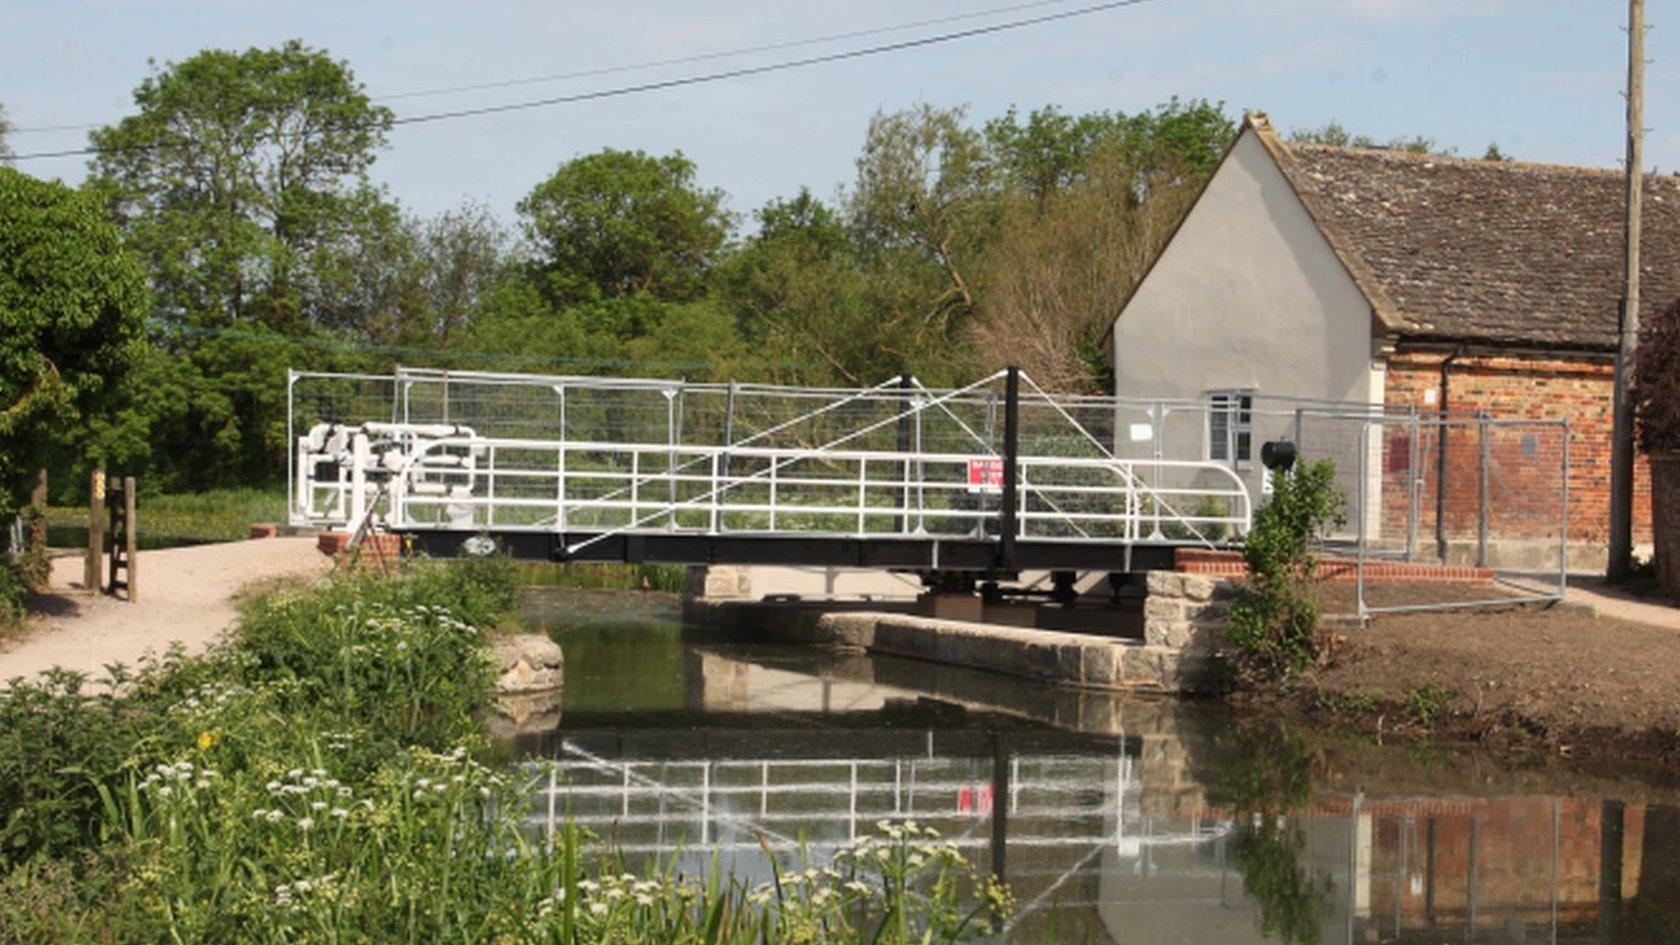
(186, 596)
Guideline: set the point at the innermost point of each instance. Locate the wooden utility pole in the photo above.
(1622, 453)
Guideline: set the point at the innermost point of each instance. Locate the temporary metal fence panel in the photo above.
(1475, 492)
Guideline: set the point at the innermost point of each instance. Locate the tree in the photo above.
(242, 182)
(1061, 267)
(1051, 151)
(1088, 202)
(5, 130)
(797, 295)
(72, 310)
(241, 176)
(463, 253)
(619, 223)
(921, 213)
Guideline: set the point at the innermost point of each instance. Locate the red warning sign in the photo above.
(985, 475)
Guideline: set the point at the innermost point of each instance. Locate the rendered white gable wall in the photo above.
(1247, 295)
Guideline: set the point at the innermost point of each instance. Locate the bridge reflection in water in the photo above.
(1131, 821)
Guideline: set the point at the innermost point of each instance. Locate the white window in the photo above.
(1230, 434)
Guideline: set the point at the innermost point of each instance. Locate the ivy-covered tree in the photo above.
(72, 312)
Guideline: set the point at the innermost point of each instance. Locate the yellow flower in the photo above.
(207, 739)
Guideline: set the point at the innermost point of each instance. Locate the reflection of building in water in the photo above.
(1110, 827)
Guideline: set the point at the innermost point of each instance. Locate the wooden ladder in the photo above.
(120, 539)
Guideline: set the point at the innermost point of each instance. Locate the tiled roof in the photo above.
(1454, 249)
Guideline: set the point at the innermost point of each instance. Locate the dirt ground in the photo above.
(187, 596)
(1340, 598)
(1558, 680)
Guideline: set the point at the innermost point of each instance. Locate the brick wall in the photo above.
(1524, 478)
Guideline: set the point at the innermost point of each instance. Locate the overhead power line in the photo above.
(704, 78)
(724, 53)
(648, 64)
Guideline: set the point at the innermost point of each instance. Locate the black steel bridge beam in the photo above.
(887, 553)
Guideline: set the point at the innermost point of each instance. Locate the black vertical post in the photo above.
(1429, 871)
(1610, 870)
(1011, 453)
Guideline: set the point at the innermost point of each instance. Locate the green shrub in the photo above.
(1272, 628)
(402, 654)
(1426, 703)
(56, 744)
(599, 576)
(14, 592)
(313, 780)
(381, 662)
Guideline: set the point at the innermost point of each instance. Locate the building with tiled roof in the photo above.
(1404, 280)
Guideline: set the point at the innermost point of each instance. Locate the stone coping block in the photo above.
(1073, 660)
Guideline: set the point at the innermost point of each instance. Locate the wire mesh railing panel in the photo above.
(591, 454)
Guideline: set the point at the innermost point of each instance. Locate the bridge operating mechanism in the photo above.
(995, 477)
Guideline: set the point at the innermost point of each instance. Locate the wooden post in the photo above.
(96, 531)
(1622, 454)
(131, 497)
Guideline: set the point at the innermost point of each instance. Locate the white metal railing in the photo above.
(433, 476)
(1062, 816)
(814, 461)
(789, 805)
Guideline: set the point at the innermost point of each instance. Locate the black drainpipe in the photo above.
(1441, 456)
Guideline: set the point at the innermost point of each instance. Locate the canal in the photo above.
(1114, 819)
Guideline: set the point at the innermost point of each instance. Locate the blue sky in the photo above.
(1542, 78)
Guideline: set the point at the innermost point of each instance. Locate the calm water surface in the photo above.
(1114, 820)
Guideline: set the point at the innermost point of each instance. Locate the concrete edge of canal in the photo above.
(1182, 615)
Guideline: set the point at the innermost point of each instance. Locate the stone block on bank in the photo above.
(527, 662)
(1163, 608)
(1197, 587)
(1165, 584)
(1141, 665)
(1099, 664)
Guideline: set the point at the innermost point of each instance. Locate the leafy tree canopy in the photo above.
(617, 223)
(1051, 151)
(72, 310)
(242, 177)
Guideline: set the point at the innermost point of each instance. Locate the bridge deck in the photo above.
(996, 476)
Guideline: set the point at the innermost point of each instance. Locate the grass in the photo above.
(171, 520)
(322, 777)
